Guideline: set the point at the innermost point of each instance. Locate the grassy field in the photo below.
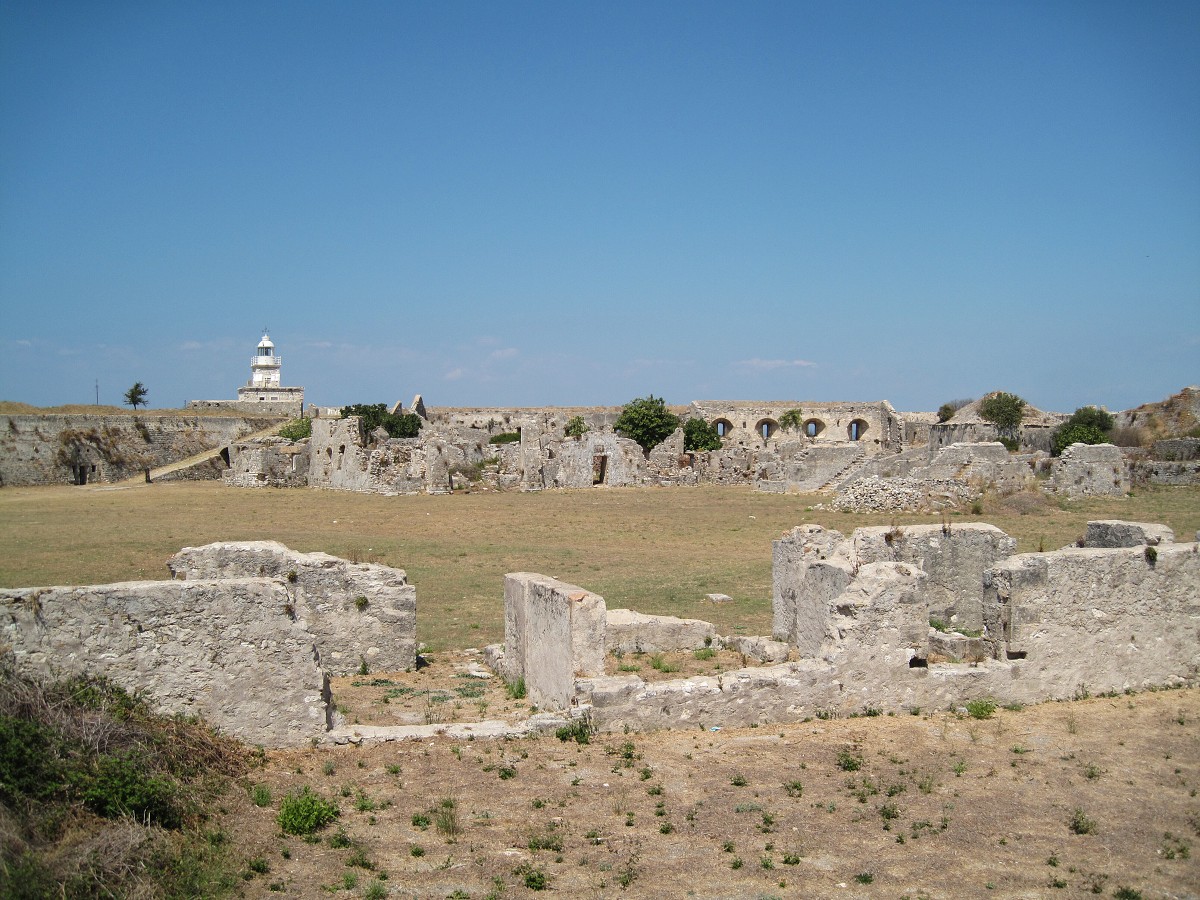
(658, 550)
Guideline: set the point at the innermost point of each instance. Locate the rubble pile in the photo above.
(903, 494)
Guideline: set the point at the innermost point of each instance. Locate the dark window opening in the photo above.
(857, 429)
(225, 456)
(813, 427)
(1015, 654)
(918, 662)
(599, 469)
(766, 428)
(723, 427)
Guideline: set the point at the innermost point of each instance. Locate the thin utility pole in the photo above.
(97, 391)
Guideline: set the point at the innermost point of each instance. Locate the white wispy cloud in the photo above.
(455, 374)
(765, 365)
(505, 353)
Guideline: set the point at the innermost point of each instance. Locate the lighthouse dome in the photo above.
(265, 344)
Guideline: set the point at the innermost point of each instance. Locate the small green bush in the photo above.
(515, 689)
(579, 731)
(981, 709)
(505, 437)
(576, 427)
(297, 429)
(304, 812)
(374, 415)
(1080, 823)
(260, 794)
(848, 761)
(123, 787)
(792, 420)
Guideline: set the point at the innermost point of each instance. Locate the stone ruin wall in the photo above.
(62, 449)
(857, 612)
(247, 636)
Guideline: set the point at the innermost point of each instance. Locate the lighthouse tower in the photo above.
(264, 392)
(265, 366)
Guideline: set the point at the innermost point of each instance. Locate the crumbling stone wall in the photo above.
(1056, 625)
(75, 449)
(227, 650)
(553, 633)
(627, 631)
(955, 559)
(1116, 533)
(268, 462)
(355, 612)
(1097, 619)
(1085, 470)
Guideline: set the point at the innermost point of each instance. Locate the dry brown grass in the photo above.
(657, 550)
(942, 807)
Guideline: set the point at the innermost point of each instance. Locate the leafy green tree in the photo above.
(576, 427)
(374, 415)
(136, 395)
(1087, 425)
(1005, 411)
(700, 435)
(646, 421)
(792, 420)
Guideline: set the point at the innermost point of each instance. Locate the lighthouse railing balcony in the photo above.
(274, 361)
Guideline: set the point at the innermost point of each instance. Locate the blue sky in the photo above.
(565, 203)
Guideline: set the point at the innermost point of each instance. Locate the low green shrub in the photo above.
(304, 812)
(297, 429)
(505, 437)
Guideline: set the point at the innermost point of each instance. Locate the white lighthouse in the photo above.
(265, 366)
(264, 390)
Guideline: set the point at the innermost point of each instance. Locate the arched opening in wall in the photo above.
(766, 428)
(857, 429)
(723, 426)
(225, 456)
(813, 427)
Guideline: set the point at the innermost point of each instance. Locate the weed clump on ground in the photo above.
(304, 812)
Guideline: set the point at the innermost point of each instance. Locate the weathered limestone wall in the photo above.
(553, 633)
(1057, 624)
(226, 650)
(77, 449)
(810, 566)
(1116, 533)
(954, 559)
(806, 467)
(268, 462)
(355, 612)
(290, 405)
(987, 464)
(1100, 619)
(879, 426)
(1086, 470)
(627, 631)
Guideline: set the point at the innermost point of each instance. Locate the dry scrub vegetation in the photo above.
(1092, 797)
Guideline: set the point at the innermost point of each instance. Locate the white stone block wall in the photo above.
(325, 592)
(553, 633)
(227, 650)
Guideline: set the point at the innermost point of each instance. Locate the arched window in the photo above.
(857, 429)
(813, 427)
(723, 427)
(766, 428)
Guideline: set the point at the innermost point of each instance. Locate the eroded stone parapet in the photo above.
(553, 633)
(633, 632)
(954, 559)
(1116, 533)
(356, 611)
(1100, 619)
(226, 650)
(759, 648)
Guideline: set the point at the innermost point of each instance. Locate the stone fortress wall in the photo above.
(81, 449)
